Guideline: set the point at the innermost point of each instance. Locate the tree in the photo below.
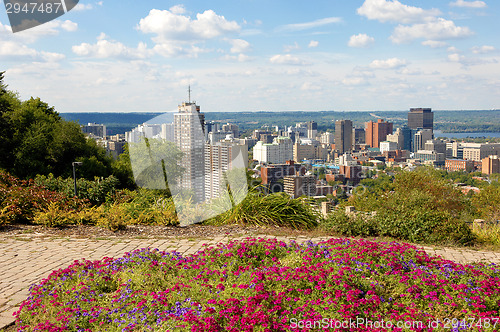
(34, 139)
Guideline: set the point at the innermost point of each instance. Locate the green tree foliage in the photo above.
(417, 206)
(36, 140)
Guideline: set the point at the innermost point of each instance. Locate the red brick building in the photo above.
(377, 132)
(458, 165)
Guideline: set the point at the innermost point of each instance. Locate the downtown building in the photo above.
(278, 152)
(421, 118)
(189, 137)
(343, 136)
(220, 158)
(377, 132)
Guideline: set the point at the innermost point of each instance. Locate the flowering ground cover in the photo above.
(268, 285)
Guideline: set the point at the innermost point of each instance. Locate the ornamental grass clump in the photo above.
(267, 285)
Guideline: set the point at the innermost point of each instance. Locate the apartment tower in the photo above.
(189, 126)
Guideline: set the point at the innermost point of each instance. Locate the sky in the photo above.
(260, 55)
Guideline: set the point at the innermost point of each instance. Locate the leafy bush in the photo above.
(267, 285)
(54, 216)
(418, 206)
(95, 191)
(274, 209)
(355, 225)
(20, 200)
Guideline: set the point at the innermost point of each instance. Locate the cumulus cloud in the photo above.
(395, 11)
(178, 9)
(483, 49)
(354, 81)
(287, 59)
(308, 86)
(52, 28)
(360, 40)
(468, 4)
(240, 57)
(309, 25)
(239, 46)
(439, 29)
(105, 48)
(313, 43)
(434, 43)
(391, 63)
(170, 26)
(81, 7)
(177, 34)
(16, 51)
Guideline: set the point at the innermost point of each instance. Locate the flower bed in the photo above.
(267, 285)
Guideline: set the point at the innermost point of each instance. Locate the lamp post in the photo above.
(75, 163)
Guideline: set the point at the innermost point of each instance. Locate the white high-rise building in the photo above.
(189, 137)
(221, 157)
(278, 152)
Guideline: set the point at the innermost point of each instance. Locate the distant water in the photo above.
(438, 133)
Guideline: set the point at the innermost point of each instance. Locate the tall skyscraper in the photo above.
(189, 137)
(377, 132)
(343, 135)
(421, 118)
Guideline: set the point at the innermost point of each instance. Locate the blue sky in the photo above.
(247, 55)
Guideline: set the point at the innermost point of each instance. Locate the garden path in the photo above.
(27, 260)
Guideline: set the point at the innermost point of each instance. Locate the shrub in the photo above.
(54, 216)
(20, 200)
(355, 225)
(95, 191)
(274, 209)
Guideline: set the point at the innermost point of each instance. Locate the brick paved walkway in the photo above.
(27, 261)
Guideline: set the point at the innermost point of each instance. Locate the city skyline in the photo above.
(252, 56)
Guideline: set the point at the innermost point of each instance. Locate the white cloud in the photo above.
(287, 59)
(169, 50)
(288, 48)
(308, 86)
(483, 49)
(309, 25)
(111, 49)
(173, 31)
(452, 49)
(439, 29)
(434, 43)
(388, 64)
(51, 28)
(395, 11)
(313, 43)
(468, 4)
(12, 50)
(169, 26)
(455, 57)
(354, 81)
(239, 46)
(178, 9)
(360, 40)
(81, 7)
(240, 57)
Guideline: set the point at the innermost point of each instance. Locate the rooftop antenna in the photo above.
(189, 93)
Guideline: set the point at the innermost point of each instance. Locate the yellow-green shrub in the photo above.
(54, 216)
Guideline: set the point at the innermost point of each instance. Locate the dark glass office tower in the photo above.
(421, 118)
